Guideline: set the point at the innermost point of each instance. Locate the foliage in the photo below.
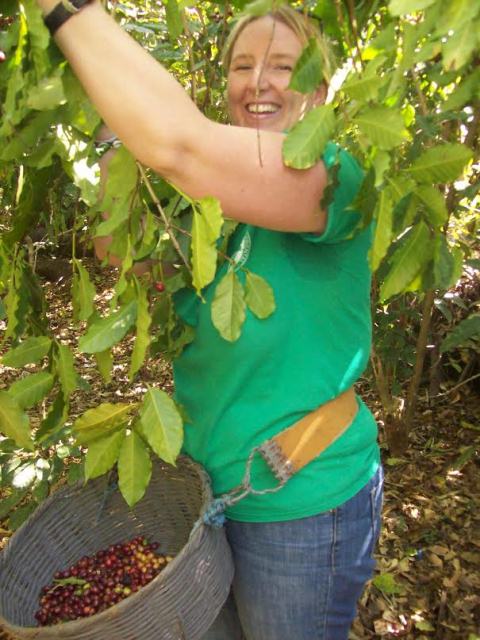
(408, 109)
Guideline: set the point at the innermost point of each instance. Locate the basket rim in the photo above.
(196, 533)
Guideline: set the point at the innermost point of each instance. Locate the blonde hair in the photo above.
(302, 26)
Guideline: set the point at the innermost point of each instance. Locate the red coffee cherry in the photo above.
(3, 57)
(159, 286)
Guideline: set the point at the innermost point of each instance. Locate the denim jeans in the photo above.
(301, 579)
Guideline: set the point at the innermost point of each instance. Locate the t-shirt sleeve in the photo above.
(346, 178)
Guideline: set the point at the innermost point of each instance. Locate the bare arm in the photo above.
(162, 127)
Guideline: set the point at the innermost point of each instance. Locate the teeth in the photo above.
(262, 108)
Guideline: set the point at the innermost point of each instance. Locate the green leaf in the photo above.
(101, 420)
(258, 8)
(31, 389)
(104, 360)
(86, 292)
(30, 351)
(304, 145)
(134, 468)
(462, 333)
(8, 504)
(228, 307)
(206, 226)
(383, 228)
(384, 127)
(103, 333)
(406, 263)
(444, 272)
(434, 202)
(14, 422)
(21, 514)
(459, 48)
(174, 19)
(307, 74)
(364, 88)
(386, 583)
(259, 296)
(402, 7)
(65, 367)
(121, 183)
(161, 425)
(142, 339)
(442, 163)
(102, 454)
(54, 420)
(47, 95)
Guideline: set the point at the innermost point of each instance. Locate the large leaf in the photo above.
(30, 351)
(307, 74)
(174, 19)
(412, 254)
(402, 7)
(142, 339)
(103, 333)
(445, 270)
(104, 360)
(14, 422)
(383, 228)
(259, 296)
(434, 201)
(65, 366)
(86, 292)
(384, 127)
(47, 95)
(101, 420)
(462, 333)
(459, 48)
(206, 226)
(134, 468)
(102, 454)
(228, 307)
(121, 183)
(31, 389)
(442, 163)
(304, 145)
(161, 424)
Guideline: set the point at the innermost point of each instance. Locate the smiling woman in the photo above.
(302, 553)
(260, 60)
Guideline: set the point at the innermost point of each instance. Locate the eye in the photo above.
(242, 67)
(284, 67)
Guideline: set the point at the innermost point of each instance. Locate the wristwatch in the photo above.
(64, 10)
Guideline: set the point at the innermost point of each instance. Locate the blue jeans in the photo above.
(301, 579)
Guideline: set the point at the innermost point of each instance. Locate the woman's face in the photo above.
(259, 75)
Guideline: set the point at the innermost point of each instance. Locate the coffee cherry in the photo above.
(3, 57)
(159, 286)
(99, 581)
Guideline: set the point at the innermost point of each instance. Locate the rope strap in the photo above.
(214, 514)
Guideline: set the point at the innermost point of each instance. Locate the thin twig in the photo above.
(165, 220)
(257, 89)
(460, 384)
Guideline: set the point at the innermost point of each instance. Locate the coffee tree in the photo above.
(405, 102)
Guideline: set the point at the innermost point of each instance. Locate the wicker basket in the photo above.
(180, 603)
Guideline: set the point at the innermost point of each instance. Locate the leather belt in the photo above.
(299, 444)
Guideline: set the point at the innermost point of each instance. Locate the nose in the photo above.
(259, 79)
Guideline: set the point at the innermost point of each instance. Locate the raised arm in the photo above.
(162, 127)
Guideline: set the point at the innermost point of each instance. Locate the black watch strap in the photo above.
(64, 10)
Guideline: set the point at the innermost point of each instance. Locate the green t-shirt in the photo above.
(312, 348)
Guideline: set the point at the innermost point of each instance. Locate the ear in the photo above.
(320, 95)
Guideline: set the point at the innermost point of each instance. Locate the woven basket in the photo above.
(180, 603)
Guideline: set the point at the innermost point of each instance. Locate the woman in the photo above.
(302, 554)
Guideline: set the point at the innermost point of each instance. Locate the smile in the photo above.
(265, 107)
